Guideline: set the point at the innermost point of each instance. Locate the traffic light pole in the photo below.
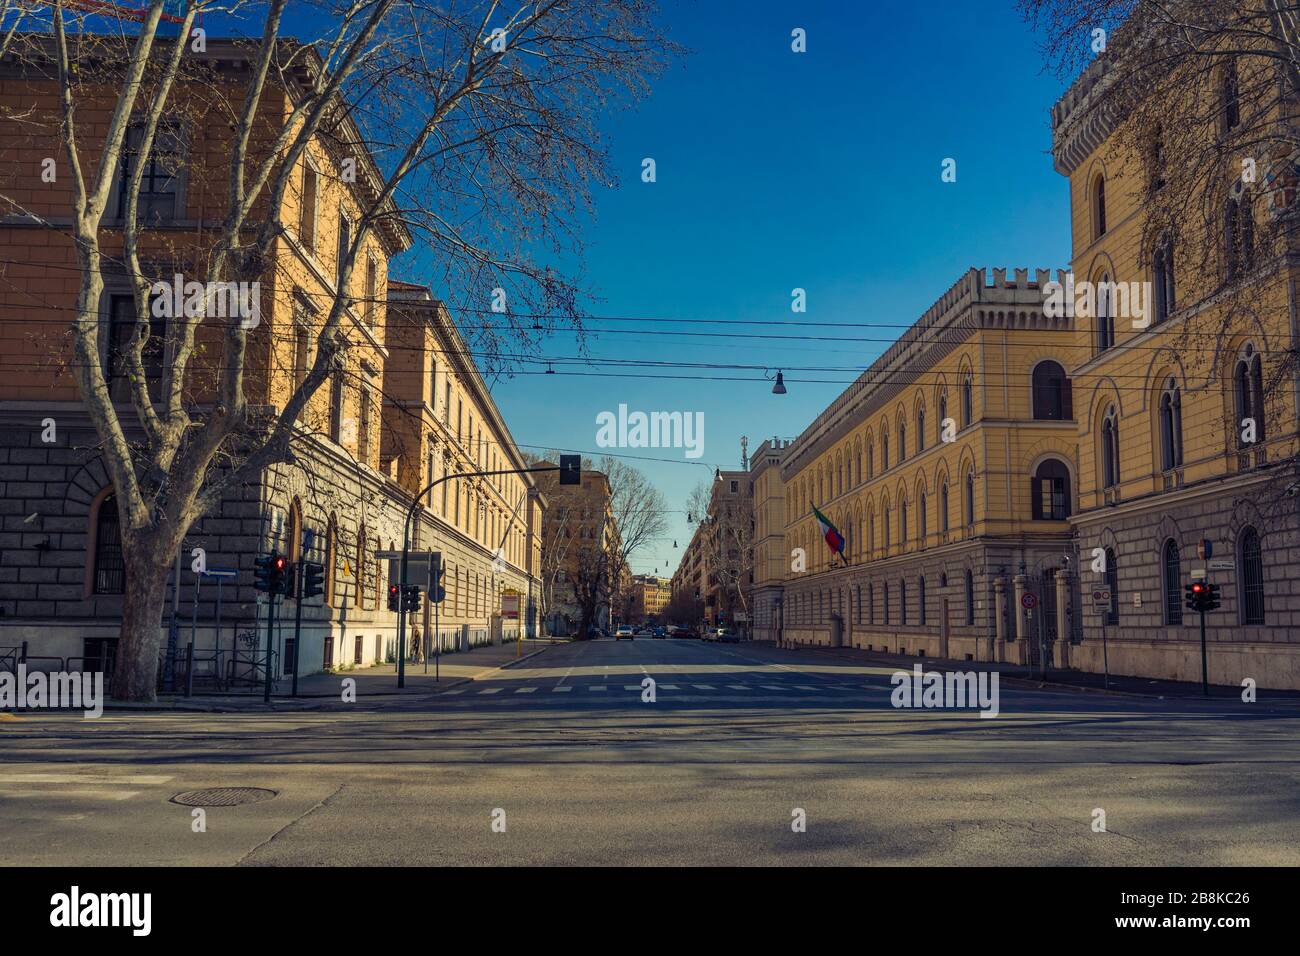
(270, 628)
(300, 573)
(406, 547)
(1205, 665)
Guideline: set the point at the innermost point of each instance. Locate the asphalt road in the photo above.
(739, 742)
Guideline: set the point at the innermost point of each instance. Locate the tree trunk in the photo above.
(135, 677)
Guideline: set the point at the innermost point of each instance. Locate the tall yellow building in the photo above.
(949, 468)
(1167, 401)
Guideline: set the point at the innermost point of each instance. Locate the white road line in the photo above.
(598, 687)
(738, 687)
(452, 693)
(772, 687)
(139, 779)
(668, 687)
(560, 690)
(526, 690)
(703, 686)
(55, 794)
(491, 690)
(631, 686)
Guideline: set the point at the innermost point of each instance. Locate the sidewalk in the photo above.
(380, 681)
(1084, 681)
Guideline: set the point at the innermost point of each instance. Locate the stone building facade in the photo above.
(579, 539)
(771, 556)
(363, 444)
(949, 468)
(1164, 463)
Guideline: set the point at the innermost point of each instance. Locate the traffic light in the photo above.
(437, 593)
(394, 595)
(1202, 596)
(269, 572)
(288, 577)
(313, 579)
(412, 595)
(570, 469)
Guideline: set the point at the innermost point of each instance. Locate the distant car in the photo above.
(660, 632)
(675, 631)
(624, 630)
(709, 634)
(726, 635)
(645, 631)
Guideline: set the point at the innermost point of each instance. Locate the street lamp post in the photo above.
(406, 545)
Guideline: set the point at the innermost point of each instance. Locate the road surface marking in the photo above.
(598, 687)
(491, 690)
(525, 690)
(703, 686)
(631, 686)
(560, 690)
(91, 794)
(668, 687)
(139, 779)
(738, 687)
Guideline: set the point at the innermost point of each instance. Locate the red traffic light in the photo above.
(1198, 588)
(279, 564)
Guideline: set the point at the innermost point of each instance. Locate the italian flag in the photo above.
(834, 540)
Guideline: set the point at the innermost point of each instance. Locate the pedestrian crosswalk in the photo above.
(768, 687)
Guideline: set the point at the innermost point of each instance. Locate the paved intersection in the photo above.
(738, 741)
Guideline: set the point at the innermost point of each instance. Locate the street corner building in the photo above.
(406, 405)
(1038, 467)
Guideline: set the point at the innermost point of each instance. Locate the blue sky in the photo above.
(819, 170)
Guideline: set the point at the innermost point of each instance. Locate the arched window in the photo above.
(871, 603)
(1173, 583)
(1112, 582)
(920, 430)
(902, 441)
(970, 597)
(293, 543)
(902, 523)
(967, 401)
(871, 532)
(884, 448)
(871, 460)
(1238, 236)
(1251, 562)
(1099, 206)
(970, 498)
(943, 413)
(886, 602)
(943, 507)
(920, 599)
(1049, 491)
(1171, 427)
(1163, 279)
(1248, 394)
(1105, 313)
(921, 529)
(886, 523)
(902, 602)
(1110, 448)
(109, 569)
(1051, 398)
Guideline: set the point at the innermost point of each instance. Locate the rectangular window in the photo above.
(363, 427)
(307, 209)
(158, 199)
(372, 285)
(121, 329)
(341, 253)
(336, 406)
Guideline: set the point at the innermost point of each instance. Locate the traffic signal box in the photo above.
(1201, 596)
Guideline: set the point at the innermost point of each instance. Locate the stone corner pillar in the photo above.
(1063, 634)
(998, 649)
(1022, 635)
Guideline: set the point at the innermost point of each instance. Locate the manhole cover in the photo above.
(223, 796)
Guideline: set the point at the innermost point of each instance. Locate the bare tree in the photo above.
(482, 121)
(640, 519)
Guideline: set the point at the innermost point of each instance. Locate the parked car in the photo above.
(659, 632)
(624, 630)
(726, 635)
(708, 633)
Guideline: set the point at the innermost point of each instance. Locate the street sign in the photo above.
(510, 605)
(417, 567)
(1221, 564)
(220, 573)
(1029, 600)
(1101, 597)
(1198, 574)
